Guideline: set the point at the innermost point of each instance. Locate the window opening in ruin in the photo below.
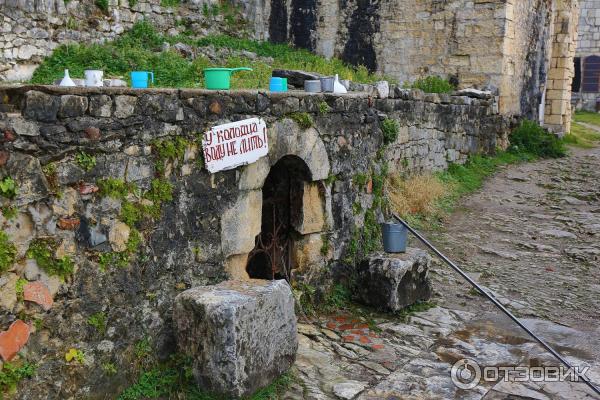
(282, 193)
(591, 74)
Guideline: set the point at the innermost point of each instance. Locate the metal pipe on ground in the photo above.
(491, 298)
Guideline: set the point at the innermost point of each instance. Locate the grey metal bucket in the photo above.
(394, 237)
(327, 84)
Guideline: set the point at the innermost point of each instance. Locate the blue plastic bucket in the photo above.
(277, 84)
(394, 237)
(139, 79)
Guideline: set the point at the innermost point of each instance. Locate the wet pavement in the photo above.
(531, 236)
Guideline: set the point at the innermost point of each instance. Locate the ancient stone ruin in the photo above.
(116, 217)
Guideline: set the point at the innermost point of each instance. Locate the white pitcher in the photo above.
(93, 77)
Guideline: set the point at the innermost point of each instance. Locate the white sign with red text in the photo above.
(238, 143)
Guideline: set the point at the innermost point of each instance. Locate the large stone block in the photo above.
(240, 334)
(394, 281)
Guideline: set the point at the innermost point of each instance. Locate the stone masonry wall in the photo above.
(588, 39)
(31, 29)
(124, 248)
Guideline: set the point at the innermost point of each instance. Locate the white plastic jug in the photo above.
(93, 77)
(337, 86)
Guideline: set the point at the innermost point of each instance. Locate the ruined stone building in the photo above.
(586, 82)
(522, 50)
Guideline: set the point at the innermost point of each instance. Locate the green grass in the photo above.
(432, 84)
(581, 136)
(528, 142)
(587, 117)
(140, 49)
(174, 380)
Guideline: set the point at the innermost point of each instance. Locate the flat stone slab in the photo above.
(394, 281)
(241, 334)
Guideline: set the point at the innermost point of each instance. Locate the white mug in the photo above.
(93, 77)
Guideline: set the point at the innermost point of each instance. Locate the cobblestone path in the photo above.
(532, 237)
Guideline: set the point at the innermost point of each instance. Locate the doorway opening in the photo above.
(282, 194)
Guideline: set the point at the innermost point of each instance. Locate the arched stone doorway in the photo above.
(282, 213)
(302, 153)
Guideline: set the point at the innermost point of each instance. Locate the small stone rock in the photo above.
(118, 236)
(87, 188)
(72, 106)
(69, 224)
(348, 390)
(125, 106)
(215, 107)
(9, 135)
(66, 204)
(92, 133)
(13, 339)
(4, 156)
(8, 296)
(106, 346)
(38, 293)
(556, 233)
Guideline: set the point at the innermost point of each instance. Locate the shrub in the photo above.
(531, 138)
(390, 129)
(433, 84)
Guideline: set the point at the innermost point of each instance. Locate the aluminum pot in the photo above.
(312, 86)
(327, 84)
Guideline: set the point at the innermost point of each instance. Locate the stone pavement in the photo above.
(531, 236)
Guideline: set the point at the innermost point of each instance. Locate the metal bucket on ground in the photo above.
(394, 237)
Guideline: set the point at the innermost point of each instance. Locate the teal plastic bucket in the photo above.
(394, 237)
(139, 79)
(220, 78)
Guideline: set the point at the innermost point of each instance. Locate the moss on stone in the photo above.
(42, 251)
(12, 373)
(10, 212)
(85, 161)
(8, 252)
(169, 150)
(20, 288)
(304, 120)
(131, 213)
(115, 188)
(324, 108)
(98, 321)
(8, 187)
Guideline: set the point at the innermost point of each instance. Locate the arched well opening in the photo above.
(283, 195)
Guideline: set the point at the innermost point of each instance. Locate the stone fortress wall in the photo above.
(195, 227)
(507, 46)
(588, 45)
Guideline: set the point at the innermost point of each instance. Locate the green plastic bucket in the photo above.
(220, 78)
